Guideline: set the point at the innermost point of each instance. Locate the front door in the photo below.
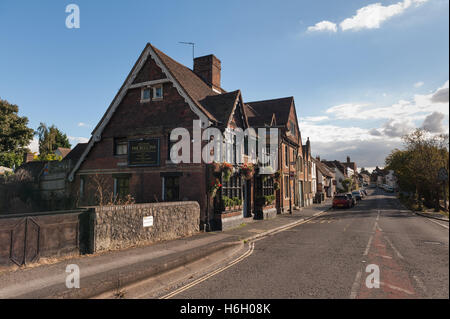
(246, 198)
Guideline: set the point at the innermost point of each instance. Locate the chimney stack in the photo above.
(208, 67)
(348, 159)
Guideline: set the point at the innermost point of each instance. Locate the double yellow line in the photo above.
(201, 279)
(234, 262)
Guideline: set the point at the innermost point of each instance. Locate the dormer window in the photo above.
(145, 94)
(158, 92)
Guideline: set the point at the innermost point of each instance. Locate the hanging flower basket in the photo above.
(247, 171)
(276, 186)
(227, 170)
(215, 186)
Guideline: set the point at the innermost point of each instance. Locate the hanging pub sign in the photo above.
(143, 152)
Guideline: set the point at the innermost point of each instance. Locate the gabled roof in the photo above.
(335, 164)
(63, 151)
(265, 110)
(194, 86)
(221, 105)
(189, 85)
(76, 152)
(323, 168)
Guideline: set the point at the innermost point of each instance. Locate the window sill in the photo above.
(145, 101)
(157, 99)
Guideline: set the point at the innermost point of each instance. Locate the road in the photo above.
(333, 255)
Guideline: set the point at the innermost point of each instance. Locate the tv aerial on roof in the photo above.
(191, 44)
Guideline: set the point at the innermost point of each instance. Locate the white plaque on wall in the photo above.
(148, 221)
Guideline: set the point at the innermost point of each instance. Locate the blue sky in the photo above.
(357, 85)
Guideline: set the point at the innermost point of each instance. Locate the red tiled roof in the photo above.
(64, 151)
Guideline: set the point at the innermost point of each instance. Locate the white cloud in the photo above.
(323, 26)
(397, 128)
(314, 118)
(370, 146)
(415, 109)
(433, 122)
(74, 140)
(34, 145)
(418, 84)
(368, 17)
(82, 124)
(441, 94)
(371, 16)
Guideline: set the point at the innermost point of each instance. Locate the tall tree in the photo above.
(50, 138)
(417, 166)
(15, 136)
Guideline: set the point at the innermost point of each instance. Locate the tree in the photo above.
(347, 184)
(15, 136)
(50, 138)
(417, 166)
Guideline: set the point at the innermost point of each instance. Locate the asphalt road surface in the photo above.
(339, 254)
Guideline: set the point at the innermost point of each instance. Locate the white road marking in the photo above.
(421, 285)
(355, 285)
(393, 247)
(368, 245)
(397, 288)
(431, 220)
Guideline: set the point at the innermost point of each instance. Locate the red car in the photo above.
(340, 201)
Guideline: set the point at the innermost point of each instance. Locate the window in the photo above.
(145, 94)
(158, 92)
(232, 188)
(169, 146)
(81, 187)
(171, 188)
(121, 187)
(286, 156)
(264, 186)
(286, 187)
(120, 147)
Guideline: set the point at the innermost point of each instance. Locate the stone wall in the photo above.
(121, 226)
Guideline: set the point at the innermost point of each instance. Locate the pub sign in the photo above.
(143, 152)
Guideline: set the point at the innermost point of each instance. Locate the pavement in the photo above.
(108, 271)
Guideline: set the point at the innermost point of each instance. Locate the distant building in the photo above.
(62, 151)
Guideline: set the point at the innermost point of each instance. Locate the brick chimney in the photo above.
(208, 68)
(348, 159)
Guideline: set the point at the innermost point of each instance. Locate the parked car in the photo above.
(341, 201)
(357, 195)
(352, 199)
(389, 189)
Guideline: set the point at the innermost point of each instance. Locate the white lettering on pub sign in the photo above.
(148, 221)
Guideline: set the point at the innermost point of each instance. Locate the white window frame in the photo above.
(124, 143)
(158, 98)
(142, 94)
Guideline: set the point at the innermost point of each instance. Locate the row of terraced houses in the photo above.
(129, 150)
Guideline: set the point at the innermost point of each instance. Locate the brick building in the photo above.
(129, 151)
(280, 114)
